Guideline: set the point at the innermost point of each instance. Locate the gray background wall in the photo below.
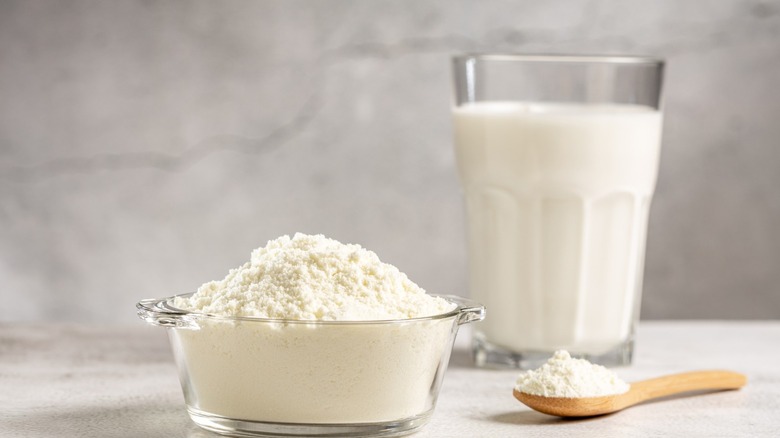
(146, 147)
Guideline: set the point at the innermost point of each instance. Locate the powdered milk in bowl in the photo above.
(311, 337)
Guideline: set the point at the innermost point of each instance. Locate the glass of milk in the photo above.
(558, 159)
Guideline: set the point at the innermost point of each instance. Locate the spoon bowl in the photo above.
(639, 392)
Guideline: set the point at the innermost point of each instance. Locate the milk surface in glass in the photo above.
(557, 198)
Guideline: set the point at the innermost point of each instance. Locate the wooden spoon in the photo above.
(638, 393)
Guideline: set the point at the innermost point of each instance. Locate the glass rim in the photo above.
(560, 58)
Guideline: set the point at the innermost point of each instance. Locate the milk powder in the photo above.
(563, 376)
(314, 278)
(327, 364)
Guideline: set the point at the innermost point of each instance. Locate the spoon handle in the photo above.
(684, 382)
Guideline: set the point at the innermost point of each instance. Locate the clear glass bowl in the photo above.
(269, 377)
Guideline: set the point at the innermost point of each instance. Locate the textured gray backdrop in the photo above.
(146, 147)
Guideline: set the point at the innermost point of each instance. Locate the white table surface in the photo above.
(88, 381)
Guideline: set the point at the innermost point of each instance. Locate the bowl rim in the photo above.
(162, 309)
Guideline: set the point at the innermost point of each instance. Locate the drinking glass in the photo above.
(558, 160)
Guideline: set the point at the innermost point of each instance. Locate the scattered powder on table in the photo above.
(563, 376)
(314, 278)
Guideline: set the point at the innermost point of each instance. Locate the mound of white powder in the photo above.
(563, 376)
(311, 277)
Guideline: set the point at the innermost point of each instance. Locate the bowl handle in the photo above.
(157, 312)
(468, 310)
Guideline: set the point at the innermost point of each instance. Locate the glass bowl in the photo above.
(246, 376)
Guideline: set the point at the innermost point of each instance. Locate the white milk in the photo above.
(557, 199)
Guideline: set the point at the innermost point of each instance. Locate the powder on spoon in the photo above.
(564, 376)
